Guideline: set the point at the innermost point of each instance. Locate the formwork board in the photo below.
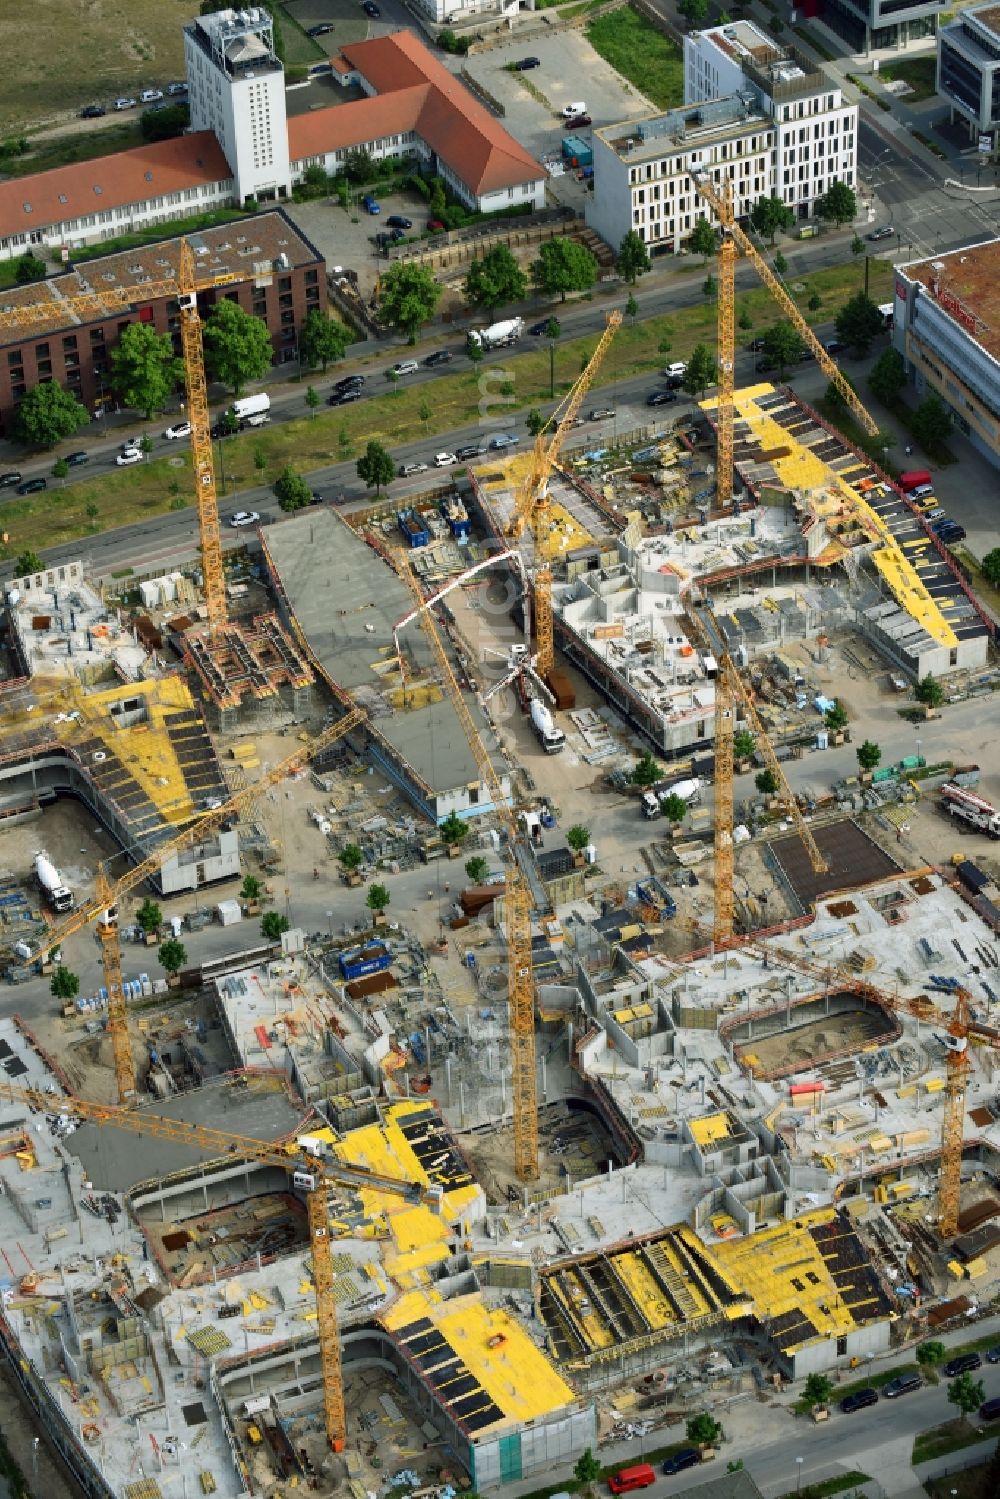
(854, 860)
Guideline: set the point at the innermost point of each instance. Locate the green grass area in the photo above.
(137, 494)
(66, 150)
(951, 1436)
(919, 72)
(300, 48)
(643, 55)
(971, 1483)
(155, 232)
(827, 1486)
(970, 565)
(802, 1408)
(8, 272)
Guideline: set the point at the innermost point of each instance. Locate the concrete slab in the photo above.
(853, 857)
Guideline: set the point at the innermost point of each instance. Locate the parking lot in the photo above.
(344, 242)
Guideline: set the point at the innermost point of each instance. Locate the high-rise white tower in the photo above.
(236, 89)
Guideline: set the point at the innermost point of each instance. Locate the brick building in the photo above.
(261, 262)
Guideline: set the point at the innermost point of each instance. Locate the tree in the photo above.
(833, 396)
(375, 466)
(408, 298)
(322, 339)
(312, 399)
(172, 955)
(563, 265)
(149, 916)
(838, 204)
(646, 772)
(65, 984)
(425, 411)
(29, 268)
(578, 837)
(743, 745)
(377, 898)
(931, 422)
(495, 280)
(60, 469)
(453, 831)
(967, 1394)
(869, 754)
(704, 240)
(709, 287)
(292, 490)
(237, 346)
(477, 869)
(818, 1389)
(887, 377)
(272, 925)
(47, 414)
(990, 566)
(769, 215)
(766, 782)
(252, 888)
(631, 308)
(929, 691)
(359, 165)
(28, 562)
(350, 857)
(835, 718)
(745, 319)
(700, 371)
(703, 1430)
(674, 808)
(857, 245)
(632, 260)
(164, 124)
(587, 1468)
(693, 11)
(782, 345)
(534, 422)
(815, 301)
(315, 180)
(930, 1353)
(858, 322)
(780, 263)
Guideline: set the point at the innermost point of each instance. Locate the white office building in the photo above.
(816, 131)
(236, 89)
(968, 70)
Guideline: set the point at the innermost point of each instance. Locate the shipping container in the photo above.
(357, 962)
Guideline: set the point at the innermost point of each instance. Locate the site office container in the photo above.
(639, 1477)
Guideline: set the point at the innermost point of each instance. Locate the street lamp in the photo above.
(798, 1467)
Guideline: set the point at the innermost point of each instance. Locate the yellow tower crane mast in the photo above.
(532, 499)
(517, 913)
(102, 907)
(314, 1174)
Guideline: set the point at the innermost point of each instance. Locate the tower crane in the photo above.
(517, 913)
(531, 505)
(185, 286)
(730, 690)
(720, 199)
(315, 1174)
(102, 907)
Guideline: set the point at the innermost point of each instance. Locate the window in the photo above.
(69, 342)
(42, 350)
(15, 357)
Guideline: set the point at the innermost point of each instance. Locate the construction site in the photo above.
(561, 1090)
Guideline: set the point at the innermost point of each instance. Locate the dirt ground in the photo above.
(804, 1042)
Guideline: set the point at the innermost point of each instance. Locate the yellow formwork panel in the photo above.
(565, 532)
(710, 1129)
(703, 1307)
(417, 1228)
(384, 1150)
(633, 1273)
(908, 591)
(782, 1269)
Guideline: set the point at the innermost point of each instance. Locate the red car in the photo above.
(435, 224)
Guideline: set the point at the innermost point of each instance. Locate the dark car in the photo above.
(320, 30)
(756, 346)
(578, 122)
(345, 397)
(538, 329)
(32, 486)
(903, 1384)
(440, 356)
(399, 221)
(674, 382)
(963, 1364)
(885, 232)
(525, 64)
(75, 459)
(370, 8)
(834, 346)
(10, 478)
(688, 1457)
(993, 1355)
(349, 382)
(858, 1401)
(471, 450)
(661, 398)
(93, 112)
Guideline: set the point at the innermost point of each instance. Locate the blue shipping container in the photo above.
(359, 961)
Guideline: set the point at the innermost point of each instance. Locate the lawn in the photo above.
(951, 1436)
(826, 1487)
(640, 53)
(802, 1408)
(919, 72)
(970, 1483)
(333, 436)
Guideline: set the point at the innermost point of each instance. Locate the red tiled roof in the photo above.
(416, 92)
(148, 171)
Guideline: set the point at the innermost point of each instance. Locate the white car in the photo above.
(150, 95)
(444, 460)
(124, 104)
(407, 469)
(244, 518)
(504, 440)
(183, 429)
(570, 111)
(406, 367)
(129, 455)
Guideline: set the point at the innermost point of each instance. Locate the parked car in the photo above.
(150, 95)
(369, 204)
(756, 346)
(676, 370)
(173, 89)
(10, 478)
(320, 30)
(638, 1477)
(470, 450)
(661, 397)
(858, 1401)
(903, 1384)
(181, 429)
(963, 1364)
(504, 440)
(538, 329)
(405, 367)
(124, 104)
(525, 64)
(244, 518)
(345, 397)
(127, 456)
(32, 486)
(440, 356)
(407, 470)
(600, 413)
(688, 1457)
(578, 122)
(349, 382)
(834, 346)
(885, 231)
(990, 1409)
(76, 459)
(92, 112)
(371, 9)
(399, 221)
(993, 1355)
(570, 111)
(435, 226)
(444, 460)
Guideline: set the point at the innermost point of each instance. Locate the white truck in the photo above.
(58, 894)
(973, 809)
(252, 411)
(689, 791)
(497, 335)
(551, 738)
